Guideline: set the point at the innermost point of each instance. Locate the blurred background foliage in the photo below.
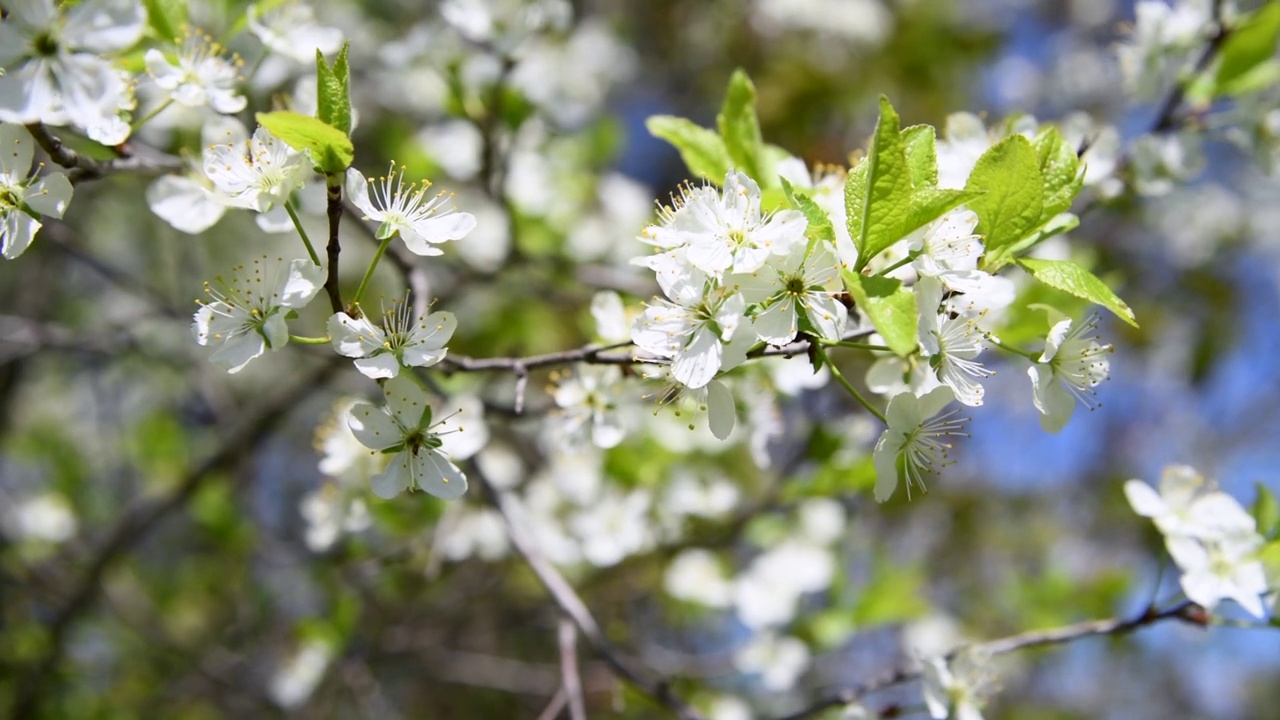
(107, 408)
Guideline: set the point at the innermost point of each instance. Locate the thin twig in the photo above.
(571, 681)
(553, 708)
(1187, 612)
(151, 161)
(140, 518)
(656, 689)
(1167, 117)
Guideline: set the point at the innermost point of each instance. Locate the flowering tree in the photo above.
(728, 490)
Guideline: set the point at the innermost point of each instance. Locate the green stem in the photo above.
(853, 345)
(896, 265)
(301, 340)
(849, 386)
(293, 215)
(1010, 349)
(154, 112)
(373, 265)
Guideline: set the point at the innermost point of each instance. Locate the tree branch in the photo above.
(333, 192)
(140, 518)
(1167, 117)
(1186, 611)
(656, 689)
(150, 161)
(569, 678)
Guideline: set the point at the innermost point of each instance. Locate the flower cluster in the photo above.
(1213, 540)
(733, 275)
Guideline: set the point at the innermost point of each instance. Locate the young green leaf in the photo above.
(921, 145)
(330, 148)
(1060, 170)
(1266, 511)
(1250, 43)
(820, 227)
(333, 92)
(740, 129)
(701, 149)
(891, 307)
(877, 193)
(1008, 175)
(1075, 280)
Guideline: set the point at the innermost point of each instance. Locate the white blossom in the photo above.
(1072, 364)
(257, 174)
(290, 29)
(406, 429)
(381, 350)
(697, 328)
(473, 531)
(405, 209)
(955, 689)
(951, 343)
(769, 592)
(55, 67)
(799, 283)
(780, 660)
(505, 24)
(1224, 569)
(696, 576)
(247, 315)
(24, 195)
(1211, 538)
(591, 404)
(613, 527)
(1189, 506)
(198, 76)
(328, 513)
(295, 680)
(727, 231)
(46, 517)
(914, 445)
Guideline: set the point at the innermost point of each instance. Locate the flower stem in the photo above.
(302, 340)
(849, 386)
(297, 223)
(853, 345)
(154, 112)
(896, 265)
(373, 265)
(1028, 354)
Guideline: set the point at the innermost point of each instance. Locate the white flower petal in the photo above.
(373, 427)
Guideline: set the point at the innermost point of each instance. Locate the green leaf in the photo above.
(1056, 225)
(701, 149)
(1250, 43)
(878, 198)
(166, 17)
(1060, 170)
(820, 227)
(1008, 174)
(930, 203)
(1266, 511)
(921, 145)
(333, 91)
(1075, 280)
(330, 148)
(1262, 76)
(740, 129)
(891, 307)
